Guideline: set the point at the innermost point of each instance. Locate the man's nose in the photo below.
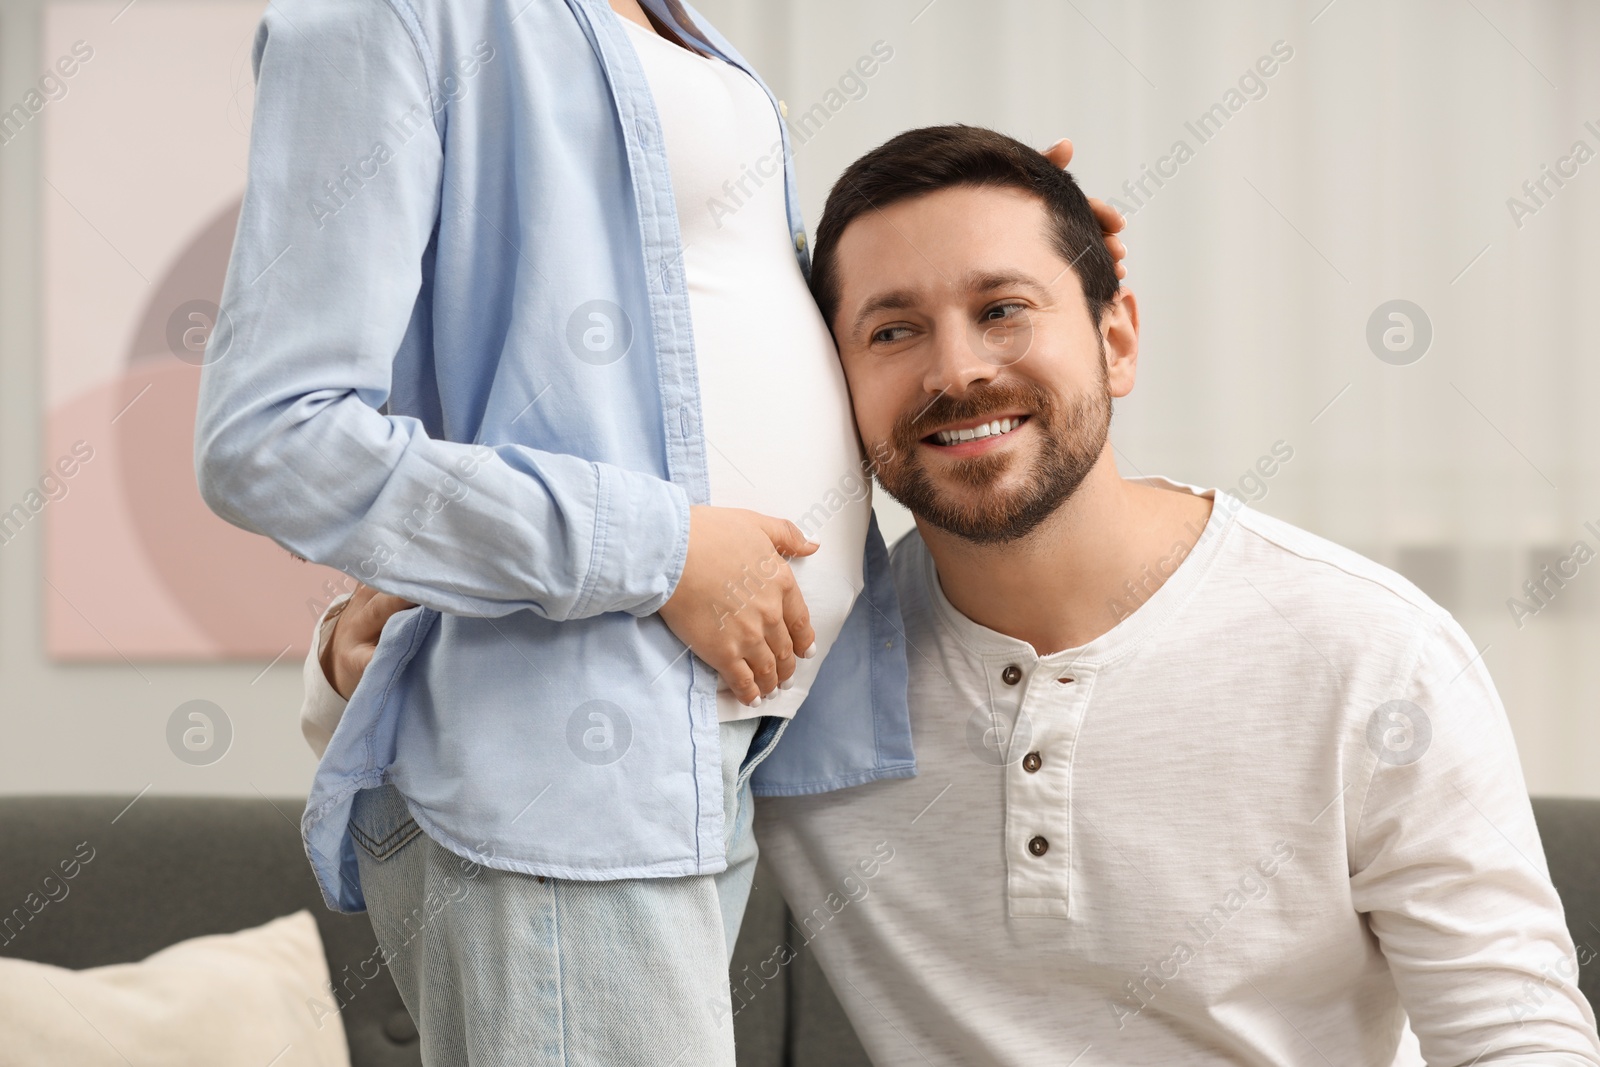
(960, 359)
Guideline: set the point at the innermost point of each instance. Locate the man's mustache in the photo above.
(1005, 397)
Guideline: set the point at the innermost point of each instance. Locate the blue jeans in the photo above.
(500, 968)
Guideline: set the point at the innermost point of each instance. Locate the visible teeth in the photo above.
(989, 429)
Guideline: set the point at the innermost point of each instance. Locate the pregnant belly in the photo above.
(781, 440)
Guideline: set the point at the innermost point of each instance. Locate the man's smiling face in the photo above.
(978, 373)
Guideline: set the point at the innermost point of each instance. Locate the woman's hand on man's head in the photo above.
(1111, 221)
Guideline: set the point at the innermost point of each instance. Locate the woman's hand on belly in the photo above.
(736, 604)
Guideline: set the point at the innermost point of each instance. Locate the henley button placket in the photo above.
(1038, 811)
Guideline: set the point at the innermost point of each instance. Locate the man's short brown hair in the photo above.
(925, 160)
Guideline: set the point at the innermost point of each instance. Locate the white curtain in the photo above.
(1384, 158)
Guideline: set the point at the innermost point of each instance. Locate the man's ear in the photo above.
(1119, 329)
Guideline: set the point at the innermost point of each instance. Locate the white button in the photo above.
(783, 109)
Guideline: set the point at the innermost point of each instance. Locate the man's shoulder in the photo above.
(1306, 576)
(1301, 606)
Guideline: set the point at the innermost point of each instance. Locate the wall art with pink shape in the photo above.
(143, 155)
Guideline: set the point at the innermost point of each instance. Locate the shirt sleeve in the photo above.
(342, 200)
(322, 707)
(1447, 865)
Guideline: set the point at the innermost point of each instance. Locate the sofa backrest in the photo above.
(1570, 831)
(169, 868)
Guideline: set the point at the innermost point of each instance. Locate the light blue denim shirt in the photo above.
(443, 196)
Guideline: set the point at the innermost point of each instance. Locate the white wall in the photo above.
(1377, 166)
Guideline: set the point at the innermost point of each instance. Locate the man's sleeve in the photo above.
(1447, 865)
(343, 195)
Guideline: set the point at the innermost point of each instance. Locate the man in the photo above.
(1255, 799)
(1194, 786)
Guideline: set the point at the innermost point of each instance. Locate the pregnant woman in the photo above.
(492, 350)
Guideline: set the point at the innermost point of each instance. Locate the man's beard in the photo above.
(1071, 439)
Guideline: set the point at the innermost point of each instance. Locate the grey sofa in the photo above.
(169, 868)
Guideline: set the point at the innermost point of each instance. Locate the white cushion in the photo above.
(252, 998)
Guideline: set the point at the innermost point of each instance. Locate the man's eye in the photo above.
(888, 335)
(1002, 311)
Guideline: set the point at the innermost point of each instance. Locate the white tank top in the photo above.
(780, 434)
